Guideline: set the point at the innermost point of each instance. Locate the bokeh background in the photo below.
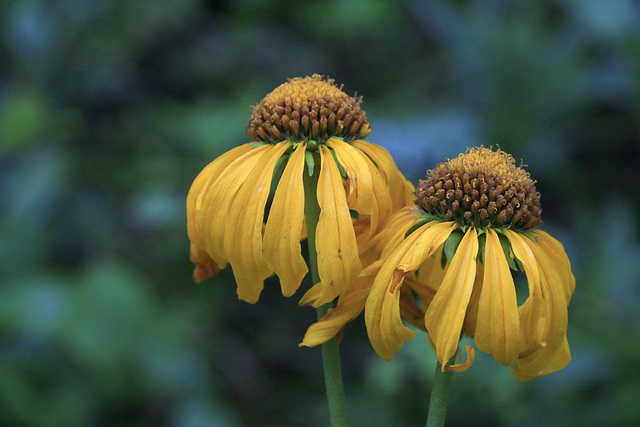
(110, 108)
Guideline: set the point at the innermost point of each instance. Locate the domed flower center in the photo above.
(483, 188)
(305, 109)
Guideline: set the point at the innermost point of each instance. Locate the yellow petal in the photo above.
(350, 305)
(427, 244)
(555, 354)
(212, 207)
(204, 265)
(401, 190)
(282, 251)
(201, 185)
(338, 260)
(395, 230)
(428, 278)
(243, 231)
(461, 367)
(543, 361)
(382, 309)
(382, 313)
(557, 254)
(534, 319)
(446, 313)
(498, 325)
(370, 191)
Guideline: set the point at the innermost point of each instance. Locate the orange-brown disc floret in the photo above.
(483, 188)
(305, 109)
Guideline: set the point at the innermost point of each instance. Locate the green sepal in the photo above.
(520, 266)
(427, 217)
(482, 244)
(311, 163)
(450, 246)
(506, 248)
(283, 159)
(343, 173)
(354, 214)
(257, 144)
(312, 145)
(526, 234)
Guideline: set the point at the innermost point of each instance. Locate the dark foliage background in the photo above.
(110, 108)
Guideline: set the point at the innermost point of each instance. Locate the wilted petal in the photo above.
(555, 354)
(338, 260)
(446, 313)
(382, 310)
(201, 185)
(534, 318)
(212, 207)
(498, 327)
(350, 305)
(371, 193)
(282, 251)
(243, 231)
(461, 367)
(401, 190)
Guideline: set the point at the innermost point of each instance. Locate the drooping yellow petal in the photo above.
(394, 230)
(543, 361)
(201, 185)
(401, 190)
(553, 291)
(350, 305)
(534, 319)
(338, 260)
(243, 231)
(558, 256)
(498, 327)
(427, 245)
(382, 310)
(371, 194)
(446, 313)
(282, 252)
(471, 315)
(212, 207)
(555, 355)
(461, 367)
(205, 267)
(427, 279)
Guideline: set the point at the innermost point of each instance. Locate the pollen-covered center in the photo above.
(482, 188)
(308, 108)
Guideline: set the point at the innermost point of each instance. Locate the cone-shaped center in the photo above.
(308, 108)
(483, 188)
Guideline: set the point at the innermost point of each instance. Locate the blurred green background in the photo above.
(110, 108)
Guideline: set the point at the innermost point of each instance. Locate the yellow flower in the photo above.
(475, 221)
(305, 125)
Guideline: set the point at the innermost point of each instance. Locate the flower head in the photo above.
(305, 127)
(308, 108)
(446, 268)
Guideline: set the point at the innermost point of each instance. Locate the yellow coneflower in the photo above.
(476, 221)
(446, 268)
(305, 125)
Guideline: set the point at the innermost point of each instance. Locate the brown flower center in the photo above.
(305, 109)
(482, 188)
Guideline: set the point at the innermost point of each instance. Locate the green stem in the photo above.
(330, 349)
(439, 396)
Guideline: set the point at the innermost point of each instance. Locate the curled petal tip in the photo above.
(461, 367)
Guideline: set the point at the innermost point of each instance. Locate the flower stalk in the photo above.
(439, 396)
(330, 349)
